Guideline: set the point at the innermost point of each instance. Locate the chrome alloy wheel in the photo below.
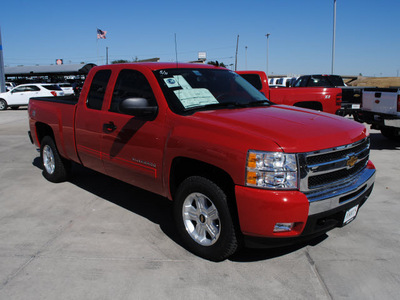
(3, 105)
(201, 219)
(48, 159)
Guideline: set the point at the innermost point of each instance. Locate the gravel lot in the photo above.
(97, 238)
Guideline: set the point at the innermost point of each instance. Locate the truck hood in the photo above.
(292, 129)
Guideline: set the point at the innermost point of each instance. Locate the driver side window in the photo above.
(131, 84)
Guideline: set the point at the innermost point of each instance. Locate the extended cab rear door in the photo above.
(89, 120)
(132, 147)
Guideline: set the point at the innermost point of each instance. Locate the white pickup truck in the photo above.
(381, 109)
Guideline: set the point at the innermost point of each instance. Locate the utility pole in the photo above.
(267, 35)
(106, 55)
(2, 73)
(334, 36)
(246, 57)
(237, 47)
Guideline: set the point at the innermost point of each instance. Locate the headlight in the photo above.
(271, 170)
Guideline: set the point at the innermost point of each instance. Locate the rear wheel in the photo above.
(55, 168)
(203, 219)
(3, 104)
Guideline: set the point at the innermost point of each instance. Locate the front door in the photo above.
(132, 147)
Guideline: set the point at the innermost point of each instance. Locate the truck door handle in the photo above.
(109, 127)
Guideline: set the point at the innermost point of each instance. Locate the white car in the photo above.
(20, 95)
(67, 88)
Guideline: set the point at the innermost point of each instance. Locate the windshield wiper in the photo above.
(230, 105)
(217, 105)
(260, 102)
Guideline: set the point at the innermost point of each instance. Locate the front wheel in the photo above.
(3, 104)
(203, 219)
(55, 168)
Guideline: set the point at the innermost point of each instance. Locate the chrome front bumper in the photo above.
(334, 197)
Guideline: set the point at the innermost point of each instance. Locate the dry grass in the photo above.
(383, 82)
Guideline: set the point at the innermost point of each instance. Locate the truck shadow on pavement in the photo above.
(379, 142)
(158, 209)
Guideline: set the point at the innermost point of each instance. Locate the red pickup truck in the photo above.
(239, 169)
(327, 99)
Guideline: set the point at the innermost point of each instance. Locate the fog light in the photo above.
(283, 227)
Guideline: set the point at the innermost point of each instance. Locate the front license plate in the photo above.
(350, 215)
(356, 106)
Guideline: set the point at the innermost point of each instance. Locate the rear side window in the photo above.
(64, 85)
(254, 79)
(131, 84)
(98, 89)
(27, 88)
(52, 87)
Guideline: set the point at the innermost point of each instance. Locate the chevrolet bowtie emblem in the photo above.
(352, 161)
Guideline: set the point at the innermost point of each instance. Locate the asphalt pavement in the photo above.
(95, 237)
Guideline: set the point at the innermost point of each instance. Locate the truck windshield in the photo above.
(188, 90)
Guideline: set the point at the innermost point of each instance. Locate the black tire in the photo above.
(391, 133)
(203, 219)
(3, 104)
(55, 168)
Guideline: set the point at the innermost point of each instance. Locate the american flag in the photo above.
(101, 34)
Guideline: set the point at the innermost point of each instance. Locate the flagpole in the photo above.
(97, 47)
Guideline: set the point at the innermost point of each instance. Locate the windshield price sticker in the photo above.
(195, 97)
(350, 215)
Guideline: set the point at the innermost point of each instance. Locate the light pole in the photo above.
(2, 72)
(334, 35)
(267, 35)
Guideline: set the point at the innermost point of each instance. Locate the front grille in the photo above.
(329, 178)
(329, 167)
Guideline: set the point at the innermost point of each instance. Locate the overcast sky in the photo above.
(300, 42)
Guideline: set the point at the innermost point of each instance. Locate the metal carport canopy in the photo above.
(72, 69)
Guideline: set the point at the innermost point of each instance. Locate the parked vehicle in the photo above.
(319, 80)
(351, 96)
(272, 81)
(238, 168)
(67, 88)
(284, 81)
(381, 109)
(318, 98)
(19, 96)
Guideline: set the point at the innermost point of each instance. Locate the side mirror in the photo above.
(138, 107)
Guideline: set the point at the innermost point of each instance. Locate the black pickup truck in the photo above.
(351, 96)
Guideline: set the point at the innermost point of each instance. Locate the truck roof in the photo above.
(164, 65)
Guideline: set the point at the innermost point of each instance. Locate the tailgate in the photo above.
(380, 100)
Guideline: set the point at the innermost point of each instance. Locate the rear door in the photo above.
(21, 95)
(89, 121)
(133, 147)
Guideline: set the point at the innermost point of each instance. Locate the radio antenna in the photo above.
(176, 52)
